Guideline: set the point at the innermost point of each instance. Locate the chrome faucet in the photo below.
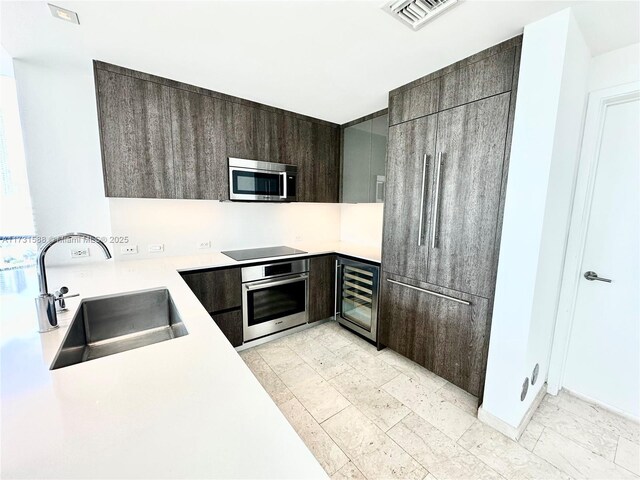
(46, 302)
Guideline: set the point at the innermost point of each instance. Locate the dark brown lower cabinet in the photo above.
(216, 289)
(220, 292)
(231, 325)
(322, 271)
(445, 336)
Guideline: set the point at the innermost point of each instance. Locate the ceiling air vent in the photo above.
(416, 13)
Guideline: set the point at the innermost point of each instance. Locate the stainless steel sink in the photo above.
(115, 323)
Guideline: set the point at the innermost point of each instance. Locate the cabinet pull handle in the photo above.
(435, 294)
(436, 203)
(424, 178)
(283, 176)
(335, 299)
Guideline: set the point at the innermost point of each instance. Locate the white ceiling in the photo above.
(334, 60)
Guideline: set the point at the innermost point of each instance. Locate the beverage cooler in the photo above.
(357, 296)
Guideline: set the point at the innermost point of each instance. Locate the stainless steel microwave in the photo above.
(251, 180)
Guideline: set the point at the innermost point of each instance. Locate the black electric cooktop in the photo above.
(253, 253)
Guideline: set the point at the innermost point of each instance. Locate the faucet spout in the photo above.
(45, 302)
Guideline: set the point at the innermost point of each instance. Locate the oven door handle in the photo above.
(262, 284)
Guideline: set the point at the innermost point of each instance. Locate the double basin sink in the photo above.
(116, 323)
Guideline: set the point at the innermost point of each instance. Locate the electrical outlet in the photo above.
(156, 248)
(205, 244)
(129, 249)
(79, 252)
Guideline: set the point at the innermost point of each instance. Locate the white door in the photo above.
(603, 356)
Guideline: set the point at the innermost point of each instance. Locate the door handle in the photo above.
(591, 276)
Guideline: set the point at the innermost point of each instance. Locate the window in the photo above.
(17, 234)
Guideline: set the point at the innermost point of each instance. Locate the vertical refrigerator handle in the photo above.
(436, 202)
(424, 179)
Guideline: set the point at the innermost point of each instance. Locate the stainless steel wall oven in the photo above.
(274, 297)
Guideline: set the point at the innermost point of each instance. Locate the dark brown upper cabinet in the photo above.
(135, 134)
(165, 139)
(481, 79)
(487, 73)
(415, 102)
(199, 142)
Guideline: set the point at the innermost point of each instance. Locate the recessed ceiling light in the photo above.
(64, 14)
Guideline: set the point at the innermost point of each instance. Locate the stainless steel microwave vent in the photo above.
(416, 13)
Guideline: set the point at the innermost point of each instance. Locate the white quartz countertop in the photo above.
(184, 408)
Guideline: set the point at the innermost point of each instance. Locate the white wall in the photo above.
(62, 149)
(544, 152)
(615, 68)
(182, 224)
(361, 223)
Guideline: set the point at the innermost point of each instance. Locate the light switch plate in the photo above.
(156, 248)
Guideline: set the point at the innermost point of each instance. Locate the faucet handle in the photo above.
(60, 298)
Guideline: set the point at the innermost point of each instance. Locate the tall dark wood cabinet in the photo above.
(447, 164)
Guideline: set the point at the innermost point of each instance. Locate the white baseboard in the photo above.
(602, 405)
(506, 429)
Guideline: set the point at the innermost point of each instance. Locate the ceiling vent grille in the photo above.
(416, 13)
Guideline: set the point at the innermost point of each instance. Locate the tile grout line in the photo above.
(434, 426)
(391, 439)
(437, 393)
(537, 440)
(579, 443)
(311, 415)
(598, 411)
(327, 433)
(457, 442)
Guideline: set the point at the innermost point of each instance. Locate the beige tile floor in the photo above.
(376, 415)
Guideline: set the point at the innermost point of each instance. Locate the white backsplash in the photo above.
(361, 223)
(181, 225)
